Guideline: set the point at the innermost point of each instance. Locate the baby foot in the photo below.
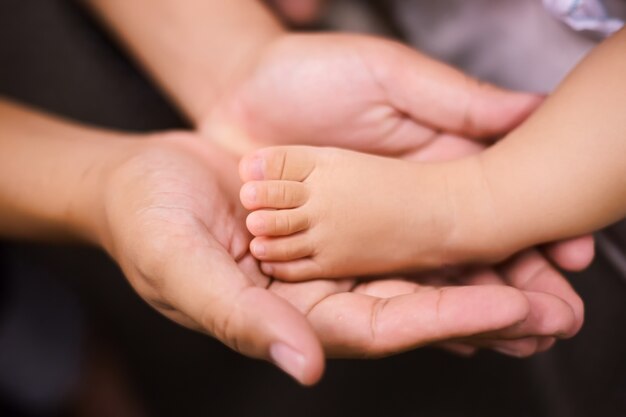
(329, 213)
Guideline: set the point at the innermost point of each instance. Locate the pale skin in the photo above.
(218, 83)
(332, 213)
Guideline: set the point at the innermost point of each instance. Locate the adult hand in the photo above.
(172, 221)
(381, 97)
(349, 91)
(370, 95)
(554, 308)
(386, 316)
(357, 92)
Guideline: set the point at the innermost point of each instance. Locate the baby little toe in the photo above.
(294, 271)
(282, 249)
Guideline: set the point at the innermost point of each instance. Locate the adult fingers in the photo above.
(548, 314)
(204, 283)
(352, 324)
(444, 147)
(555, 308)
(519, 348)
(573, 254)
(460, 349)
(444, 98)
(549, 289)
(549, 317)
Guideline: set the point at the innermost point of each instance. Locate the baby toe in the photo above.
(292, 163)
(281, 249)
(294, 271)
(273, 194)
(277, 222)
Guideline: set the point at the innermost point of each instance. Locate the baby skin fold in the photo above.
(331, 213)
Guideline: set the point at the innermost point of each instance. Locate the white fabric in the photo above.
(513, 43)
(588, 15)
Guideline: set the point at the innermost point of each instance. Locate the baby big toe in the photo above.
(292, 163)
(277, 222)
(281, 249)
(273, 194)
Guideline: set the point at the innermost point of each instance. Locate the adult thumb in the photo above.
(208, 287)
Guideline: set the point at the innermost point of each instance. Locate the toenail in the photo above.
(257, 168)
(258, 249)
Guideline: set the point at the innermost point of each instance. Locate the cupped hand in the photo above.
(553, 309)
(518, 309)
(357, 92)
(172, 221)
(381, 97)
(371, 95)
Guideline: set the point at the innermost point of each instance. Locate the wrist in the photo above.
(218, 60)
(192, 48)
(87, 216)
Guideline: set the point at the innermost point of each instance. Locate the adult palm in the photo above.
(379, 96)
(371, 95)
(173, 223)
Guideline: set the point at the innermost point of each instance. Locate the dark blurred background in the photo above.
(76, 341)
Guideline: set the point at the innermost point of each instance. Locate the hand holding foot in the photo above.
(174, 226)
(370, 95)
(555, 310)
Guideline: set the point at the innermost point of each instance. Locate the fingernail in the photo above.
(288, 359)
(258, 249)
(257, 168)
